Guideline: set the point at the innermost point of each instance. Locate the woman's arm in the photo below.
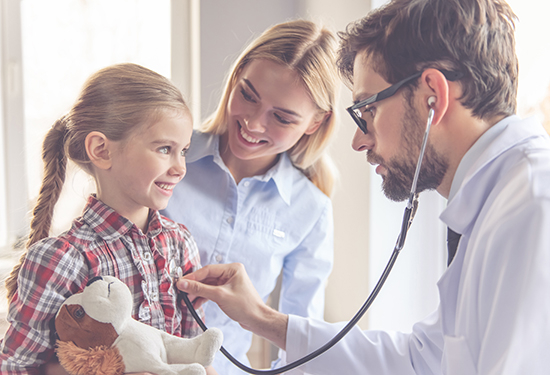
(230, 287)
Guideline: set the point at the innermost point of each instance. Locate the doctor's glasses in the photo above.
(356, 111)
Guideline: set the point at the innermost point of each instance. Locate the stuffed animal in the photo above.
(97, 335)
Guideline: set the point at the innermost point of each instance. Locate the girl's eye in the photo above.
(164, 150)
(184, 152)
(247, 96)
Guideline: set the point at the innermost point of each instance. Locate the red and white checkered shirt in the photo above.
(100, 242)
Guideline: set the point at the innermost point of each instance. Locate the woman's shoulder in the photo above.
(202, 144)
(201, 139)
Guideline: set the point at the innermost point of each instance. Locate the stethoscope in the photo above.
(408, 215)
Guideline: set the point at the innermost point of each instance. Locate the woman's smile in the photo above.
(249, 138)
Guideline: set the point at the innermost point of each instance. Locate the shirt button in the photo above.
(230, 220)
(219, 258)
(247, 183)
(147, 256)
(154, 296)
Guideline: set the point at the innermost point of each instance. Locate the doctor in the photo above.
(494, 168)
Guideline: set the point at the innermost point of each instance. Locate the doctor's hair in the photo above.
(475, 37)
(116, 101)
(310, 51)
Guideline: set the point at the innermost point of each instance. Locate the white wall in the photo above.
(226, 27)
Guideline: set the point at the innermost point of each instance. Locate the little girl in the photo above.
(130, 130)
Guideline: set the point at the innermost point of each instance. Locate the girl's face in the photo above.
(269, 110)
(146, 167)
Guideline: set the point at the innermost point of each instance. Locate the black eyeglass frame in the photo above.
(386, 93)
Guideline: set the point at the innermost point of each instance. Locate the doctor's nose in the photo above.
(362, 141)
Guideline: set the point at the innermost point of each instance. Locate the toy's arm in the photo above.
(200, 349)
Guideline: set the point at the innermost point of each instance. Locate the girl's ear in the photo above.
(97, 148)
(317, 121)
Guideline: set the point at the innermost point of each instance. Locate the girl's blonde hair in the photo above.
(309, 50)
(115, 101)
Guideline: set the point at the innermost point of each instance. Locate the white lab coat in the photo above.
(494, 312)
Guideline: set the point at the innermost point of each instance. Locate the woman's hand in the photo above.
(229, 286)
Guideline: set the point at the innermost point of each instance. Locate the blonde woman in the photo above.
(259, 178)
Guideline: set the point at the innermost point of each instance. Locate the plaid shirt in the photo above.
(101, 242)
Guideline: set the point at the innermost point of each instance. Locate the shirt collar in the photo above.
(206, 144)
(282, 175)
(203, 145)
(475, 152)
(468, 190)
(110, 225)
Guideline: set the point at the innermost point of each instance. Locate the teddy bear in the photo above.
(97, 335)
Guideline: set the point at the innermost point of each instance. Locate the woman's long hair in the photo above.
(309, 50)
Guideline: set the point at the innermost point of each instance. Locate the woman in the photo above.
(259, 179)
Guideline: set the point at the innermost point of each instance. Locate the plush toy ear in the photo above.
(73, 324)
(95, 361)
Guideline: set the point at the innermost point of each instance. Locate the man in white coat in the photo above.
(458, 58)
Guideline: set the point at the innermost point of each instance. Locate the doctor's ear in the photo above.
(435, 87)
(98, 150)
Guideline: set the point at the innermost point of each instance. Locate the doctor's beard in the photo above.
(400, 169)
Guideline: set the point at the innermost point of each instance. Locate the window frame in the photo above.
(13, 177)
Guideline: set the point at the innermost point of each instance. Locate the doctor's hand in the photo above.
(229, 286)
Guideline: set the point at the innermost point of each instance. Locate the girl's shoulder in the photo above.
(77, 238)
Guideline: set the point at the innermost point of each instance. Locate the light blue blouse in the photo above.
(277, 222)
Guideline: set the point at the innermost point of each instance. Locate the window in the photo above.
(533, 49)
